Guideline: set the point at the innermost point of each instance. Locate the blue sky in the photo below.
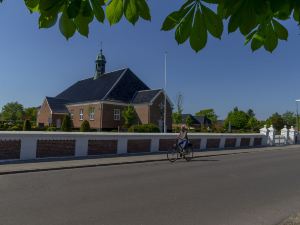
(37, 63)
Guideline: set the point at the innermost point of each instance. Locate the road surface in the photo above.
(244, 189)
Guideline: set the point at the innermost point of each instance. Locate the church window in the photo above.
(117, 114)
(81, 114)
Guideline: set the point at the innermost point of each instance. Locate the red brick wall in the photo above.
(100, 147)
(230, 142)
(213, 143)
(245, 142)
(10, 149)
(55, 148)
(142, 112)
(136, 146)
(196, 143)
(257, 142)
(95, 124)
(56, 117)
(155, 112)
(166, 144)
(108, 121)
(44, 114)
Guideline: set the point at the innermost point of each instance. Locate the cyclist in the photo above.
(182, 138)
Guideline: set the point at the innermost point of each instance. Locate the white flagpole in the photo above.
(165, 95)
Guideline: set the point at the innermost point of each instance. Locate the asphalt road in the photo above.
(245, 189)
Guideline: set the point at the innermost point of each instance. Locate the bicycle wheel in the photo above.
(189, 153)
(172, 154)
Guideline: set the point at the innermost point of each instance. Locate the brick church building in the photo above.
(101, 99)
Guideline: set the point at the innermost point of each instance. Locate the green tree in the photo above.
(129, 116)
(250, 113)
(289, 118)
(253, 124)
(238, 119)
(208, 113)
(85, 126)
(26, 125)
(276, 120)
(30, 113)
(12, 111)
(177, 116)
(259, 21)
(66, 124)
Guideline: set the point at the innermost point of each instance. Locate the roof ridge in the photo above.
(57, 98)
(113, 71)
(151, 90)
(115, 84)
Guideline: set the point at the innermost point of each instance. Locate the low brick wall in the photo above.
(55, 148)
(101, 147)
(230, 143)
(245, 142)
(10, 149)
(32, 145)
(166, 144)
(138, 146)
(213, 143)
(257, 142)
(196, 143)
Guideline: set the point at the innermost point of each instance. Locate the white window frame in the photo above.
(92, 113)
(81, 114)
(117, 114)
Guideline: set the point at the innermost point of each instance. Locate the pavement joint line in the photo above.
(19, 171)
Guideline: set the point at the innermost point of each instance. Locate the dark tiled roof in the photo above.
(200, 120)
(145, 96)
(194, 120)
(120, 85)
(57, 105)
(90, 89)
(126, 88)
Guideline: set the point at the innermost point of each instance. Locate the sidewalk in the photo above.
(71, 163)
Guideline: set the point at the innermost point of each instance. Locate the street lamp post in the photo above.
(165, 96)
(297, 114)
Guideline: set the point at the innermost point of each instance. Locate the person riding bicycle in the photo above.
(182, 138)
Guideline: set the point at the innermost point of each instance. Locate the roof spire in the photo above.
(100, 64)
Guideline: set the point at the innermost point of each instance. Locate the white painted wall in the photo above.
(29, 140)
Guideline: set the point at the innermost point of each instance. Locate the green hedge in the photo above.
(85, 126)
(26, 125)
(144, 128)
(66, 124)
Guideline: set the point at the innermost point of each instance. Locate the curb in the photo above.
(123, 163)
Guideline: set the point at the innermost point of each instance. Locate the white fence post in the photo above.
(271, 140)
(222, 142)
(154, 144)
(81, 146)
(28, 148)
(238, 142)
(122, 145)
(292, 136)
(285, 134)
(265, 132)
(203, 143)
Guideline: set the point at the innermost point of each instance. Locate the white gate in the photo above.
(280, 140)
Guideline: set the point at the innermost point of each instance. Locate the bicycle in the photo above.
(177, 152)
